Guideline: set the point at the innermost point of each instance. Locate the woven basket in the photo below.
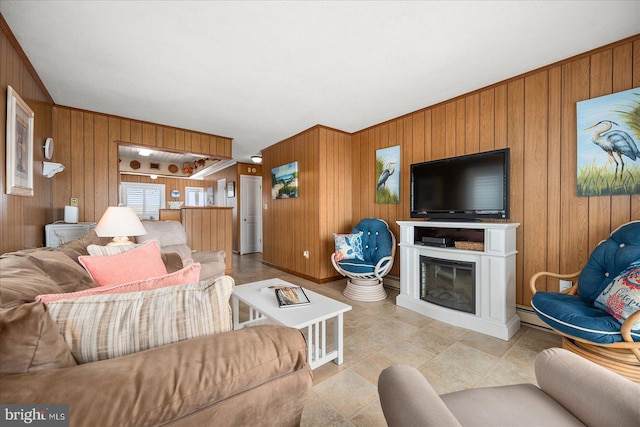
(470, 246)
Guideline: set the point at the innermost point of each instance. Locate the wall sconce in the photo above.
(256, 158)
(49, 169)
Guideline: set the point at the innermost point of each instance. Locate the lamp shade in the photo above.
(119, 222)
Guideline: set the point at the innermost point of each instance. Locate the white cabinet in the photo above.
(59, 233)
(495, 267)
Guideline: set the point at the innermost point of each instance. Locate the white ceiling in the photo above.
(259, 72)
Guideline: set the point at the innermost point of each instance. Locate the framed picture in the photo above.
(231, 189)
(609, 144)
(284, 181)
(388, 175)
(20, 120)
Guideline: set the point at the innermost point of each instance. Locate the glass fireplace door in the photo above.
(448, 283)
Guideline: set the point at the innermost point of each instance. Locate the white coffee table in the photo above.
(263, 305)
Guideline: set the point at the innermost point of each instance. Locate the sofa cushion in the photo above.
(168, 233)
(183, 250)
(28, 273)
(190, 274)
(571, 315)
(106, 326)
(621, 298)
(21, 279)
(169, 386)
(65, 272)
(520, 405)
(348, 246)
(30, 340)
(357, 266)
(76, 248)
(140, 263)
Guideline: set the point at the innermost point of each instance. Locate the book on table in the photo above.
(291, 296)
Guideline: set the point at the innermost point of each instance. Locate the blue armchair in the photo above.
(366, 270)
(581, 314)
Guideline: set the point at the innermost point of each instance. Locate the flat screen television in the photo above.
(471, 187)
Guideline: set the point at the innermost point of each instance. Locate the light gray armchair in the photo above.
(572, 391)
(173, 238)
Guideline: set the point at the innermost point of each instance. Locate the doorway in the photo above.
(250, 214)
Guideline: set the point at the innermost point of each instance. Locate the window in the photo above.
(146, 200)
(194, 196)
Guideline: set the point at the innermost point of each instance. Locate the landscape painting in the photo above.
(608, 144)
(284, 181)
(388, 175)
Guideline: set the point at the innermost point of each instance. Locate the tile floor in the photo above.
(380, 334)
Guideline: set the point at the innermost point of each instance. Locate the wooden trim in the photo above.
(318, 126)
(14, 42)
(142, 123)
(304, 276)
(170, 150)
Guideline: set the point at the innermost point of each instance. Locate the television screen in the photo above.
(474, 186)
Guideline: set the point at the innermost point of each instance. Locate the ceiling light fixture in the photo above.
(256, 158)
(144, 151)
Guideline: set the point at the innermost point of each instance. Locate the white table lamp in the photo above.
(120, 222)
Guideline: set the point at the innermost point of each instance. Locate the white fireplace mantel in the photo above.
(495, 275)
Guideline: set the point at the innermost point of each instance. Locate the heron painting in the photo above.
(388, 175)
(609, 144)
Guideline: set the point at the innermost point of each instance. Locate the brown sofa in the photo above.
(572, 392)
(253, 376)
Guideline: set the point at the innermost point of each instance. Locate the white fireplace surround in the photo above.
(495, 276)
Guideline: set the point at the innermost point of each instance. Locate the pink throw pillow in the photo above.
(190, 274)
(140, 263)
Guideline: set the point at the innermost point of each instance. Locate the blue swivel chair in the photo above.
(578, 313)
(365, 276)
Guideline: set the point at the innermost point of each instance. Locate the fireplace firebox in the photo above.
(448, 283)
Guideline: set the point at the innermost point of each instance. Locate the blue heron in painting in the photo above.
(386, 173)
(614, 141)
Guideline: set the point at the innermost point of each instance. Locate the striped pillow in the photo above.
(107, 326)
(109, 250)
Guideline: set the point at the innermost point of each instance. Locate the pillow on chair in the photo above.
(621, 298)
(348, 246)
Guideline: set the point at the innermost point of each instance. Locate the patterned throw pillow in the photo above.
(190, 274)
(102, 327)
(97, 250)
(621, 298)
(348, 246)
(136, 264)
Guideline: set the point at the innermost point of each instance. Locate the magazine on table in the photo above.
(290, 296)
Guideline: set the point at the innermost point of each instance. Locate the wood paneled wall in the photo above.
(86, 143)
(209, 229)
(535, 116)
(323, 205)
(232, 173)
(22, 219)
